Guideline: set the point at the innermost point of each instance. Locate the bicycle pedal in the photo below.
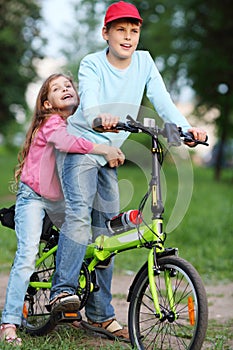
(69, 317)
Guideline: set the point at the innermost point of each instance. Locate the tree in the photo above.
(20, 43)
(84, 36)
(207, 47)
(193, 40)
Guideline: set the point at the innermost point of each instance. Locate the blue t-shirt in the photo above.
(106, 89)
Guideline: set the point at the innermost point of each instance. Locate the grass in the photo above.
(8, 161)
(204, 237)
(219, 336)
(65, 338)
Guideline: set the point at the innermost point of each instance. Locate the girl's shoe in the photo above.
(8, 334)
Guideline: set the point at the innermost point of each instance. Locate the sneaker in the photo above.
(65, 302)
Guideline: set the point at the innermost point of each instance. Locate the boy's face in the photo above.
(123, 38)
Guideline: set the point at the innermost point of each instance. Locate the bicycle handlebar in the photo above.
(171, 132)
(127, 126)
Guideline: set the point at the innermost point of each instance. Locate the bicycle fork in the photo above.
(153, 271)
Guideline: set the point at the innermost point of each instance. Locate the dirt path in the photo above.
(220, 299)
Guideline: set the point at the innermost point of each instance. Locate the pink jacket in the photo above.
(39, 171)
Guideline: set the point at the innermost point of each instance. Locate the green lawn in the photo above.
(204, 237)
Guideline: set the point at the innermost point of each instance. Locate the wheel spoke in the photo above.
(184, 322)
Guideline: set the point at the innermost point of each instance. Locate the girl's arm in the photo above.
(56, 131)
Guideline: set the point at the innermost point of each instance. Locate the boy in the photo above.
(111, 85)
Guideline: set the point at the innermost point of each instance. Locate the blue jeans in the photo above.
(29, 214)
(91, 197)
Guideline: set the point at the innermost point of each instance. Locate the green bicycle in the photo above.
(167, 300)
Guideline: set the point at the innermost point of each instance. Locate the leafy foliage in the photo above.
(206, 47)
(20, 43)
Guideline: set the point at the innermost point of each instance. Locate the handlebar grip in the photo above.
(188, 137)
(97, 125)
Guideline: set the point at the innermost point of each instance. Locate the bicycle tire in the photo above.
(147, 331)
(37, 319)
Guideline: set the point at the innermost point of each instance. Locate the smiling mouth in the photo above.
(127, 46)
(66, 97)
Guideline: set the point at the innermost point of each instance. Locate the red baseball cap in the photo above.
(121, 9)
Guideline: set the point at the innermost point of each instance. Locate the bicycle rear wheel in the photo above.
(36, 316)
(183, 329)
(37, 319)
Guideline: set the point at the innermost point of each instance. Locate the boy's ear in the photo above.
(104, 33)
(47, 104)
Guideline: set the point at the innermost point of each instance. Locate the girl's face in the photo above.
(123, 38)
(61, 95)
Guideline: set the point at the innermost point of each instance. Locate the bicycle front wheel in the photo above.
(184, 309)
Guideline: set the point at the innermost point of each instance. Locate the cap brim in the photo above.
(113, 18)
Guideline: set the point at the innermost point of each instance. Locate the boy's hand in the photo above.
(109, 121)
(198, 134)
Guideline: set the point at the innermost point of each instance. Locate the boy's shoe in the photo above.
(8, 334)
(65, 302)
(111, 329)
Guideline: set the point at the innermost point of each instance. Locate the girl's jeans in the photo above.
(91, 197)
(29, 214)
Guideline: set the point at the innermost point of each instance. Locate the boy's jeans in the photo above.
(91, 197)
(29, 214)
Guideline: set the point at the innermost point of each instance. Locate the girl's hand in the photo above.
(114, 156)
(119, 160)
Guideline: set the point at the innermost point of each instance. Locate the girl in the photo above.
(39, 187)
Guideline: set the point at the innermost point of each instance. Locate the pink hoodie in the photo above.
(39, 171)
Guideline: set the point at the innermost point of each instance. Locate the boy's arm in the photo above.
(89, 87)
(160, 98)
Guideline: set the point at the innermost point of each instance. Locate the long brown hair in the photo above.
(39, 117)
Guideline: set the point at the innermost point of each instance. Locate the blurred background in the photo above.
(191, 44)
(190, 41)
